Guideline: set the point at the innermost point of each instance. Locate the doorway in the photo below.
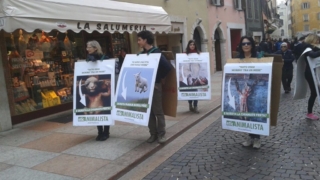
(197, 38)
(217, 45)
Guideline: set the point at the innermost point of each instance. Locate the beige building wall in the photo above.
(191, 14)
(299, 24)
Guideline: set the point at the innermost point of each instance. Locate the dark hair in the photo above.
(188, 50)
(146, 35)
(253, 47)
(124, 49)
(302, 38)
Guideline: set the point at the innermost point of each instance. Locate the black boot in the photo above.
(105, 134)
(100, 132)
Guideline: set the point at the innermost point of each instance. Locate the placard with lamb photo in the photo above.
(93, 93)
(193, 76)
(135, 88)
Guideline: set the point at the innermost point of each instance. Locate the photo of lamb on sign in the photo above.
(141, 83)
(94, 93)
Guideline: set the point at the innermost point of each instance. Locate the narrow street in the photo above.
(290, 152)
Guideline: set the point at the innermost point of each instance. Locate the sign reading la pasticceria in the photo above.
(112, 27)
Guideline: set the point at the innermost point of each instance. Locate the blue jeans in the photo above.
(195, 102)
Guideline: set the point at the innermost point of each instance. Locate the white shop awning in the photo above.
(77, 15)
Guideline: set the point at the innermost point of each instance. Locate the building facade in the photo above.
(253, 19)
(189, 19)
(227, 25)
(283, 31)
(305, 17)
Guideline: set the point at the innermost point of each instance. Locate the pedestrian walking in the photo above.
(287, 68)
(157, 122)
(192, 48)
(95, 53)
(248, 50)
(312, 42)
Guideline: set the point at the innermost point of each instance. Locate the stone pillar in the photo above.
(5, 113)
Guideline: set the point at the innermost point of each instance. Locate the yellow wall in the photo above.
(297, 15)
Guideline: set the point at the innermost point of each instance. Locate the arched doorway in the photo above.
(217, 45)
(197, 38)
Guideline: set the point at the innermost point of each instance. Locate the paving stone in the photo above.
(290, 152)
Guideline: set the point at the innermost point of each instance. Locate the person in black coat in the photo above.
(95, 53)
(157, 123)
(287, 68)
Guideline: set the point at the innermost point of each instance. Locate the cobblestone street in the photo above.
(290, 152)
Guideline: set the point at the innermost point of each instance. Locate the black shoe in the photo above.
(104, 136)
(98, 137)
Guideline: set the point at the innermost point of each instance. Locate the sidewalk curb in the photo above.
(157, 148)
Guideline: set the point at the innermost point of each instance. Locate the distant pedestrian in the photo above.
(287, 68)
(299, 47)
(248, 50)
(278, 44)
(264, 48)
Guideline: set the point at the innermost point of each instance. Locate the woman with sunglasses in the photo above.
(247, 50)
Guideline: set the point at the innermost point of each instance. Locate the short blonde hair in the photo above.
(95, 45)
(312, 39)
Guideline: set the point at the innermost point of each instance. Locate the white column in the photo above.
(5, 119)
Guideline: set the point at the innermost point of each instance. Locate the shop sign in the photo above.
(111, 27)
(1, 22)
(176, 28)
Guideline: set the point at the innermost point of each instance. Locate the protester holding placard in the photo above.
(156, 120)
(95, 53)
(248, 50)
(192, 48)
(312, 42)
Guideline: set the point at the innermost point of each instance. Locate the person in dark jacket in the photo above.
(248, 50)
(278, 44)
(157, 122)
(287, 68)
(264, 46)
(95, 53)
(311, 41)
(299, 47)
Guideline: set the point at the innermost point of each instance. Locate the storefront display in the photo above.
(41, 65)
(39, 49)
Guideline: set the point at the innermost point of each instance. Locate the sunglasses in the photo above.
(246, 44)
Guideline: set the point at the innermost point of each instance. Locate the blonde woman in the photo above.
(95, 53)
(312, 42)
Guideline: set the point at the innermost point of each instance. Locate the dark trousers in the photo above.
(157, 123)
(104, 129)
(253, 136)
(195, 102)
(287, 75)
(312, 87)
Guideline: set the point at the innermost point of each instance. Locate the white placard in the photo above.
(135, 88)
(315, 70)
(93, 93)
(246, 91)
(193, 75)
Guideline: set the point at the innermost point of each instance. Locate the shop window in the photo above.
(41, 64)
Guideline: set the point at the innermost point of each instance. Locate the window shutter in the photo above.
(235, 4)
(221, 2)
(243, 4)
